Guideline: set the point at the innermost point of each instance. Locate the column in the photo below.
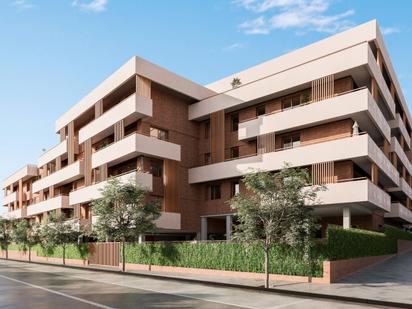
(142, 239)
(374, 173)
(346, 218)
(203, 228)
(229, 224)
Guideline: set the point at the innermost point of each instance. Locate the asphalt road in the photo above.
(24, 285)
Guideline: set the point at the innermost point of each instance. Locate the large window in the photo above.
(291, 141)
(260, 110)
(156, 168)
(234, 152)
(291, 102)
(235, 122)
(215, 192)
(207, 129)
(235, 188)
(207, 158)
(159, 133)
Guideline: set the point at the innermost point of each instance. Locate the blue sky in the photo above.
(53, 52)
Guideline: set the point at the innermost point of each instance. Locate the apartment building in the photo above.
(334, 107)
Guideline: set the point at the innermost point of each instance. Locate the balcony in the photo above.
(402, 189)
(15, 214)
(129, 110)
(134, 145)
(25, 173)
(89, 193)
(362, 194)
(399, 212)
(57, 202)
(52, 153)
(11, 198)
(396, 147)
(360, 148)
(166, 221)
(357, 104)
(397, 124)
(169, 221)
(67, 174)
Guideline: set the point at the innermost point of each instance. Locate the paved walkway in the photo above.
(388, 281)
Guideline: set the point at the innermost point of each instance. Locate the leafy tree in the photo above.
(6, 228)
(273, 211)
(124, 212)
(58, 231)
(27, 234)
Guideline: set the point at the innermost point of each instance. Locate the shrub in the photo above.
(396, 233)
(223, 256)
(73, 251)
(353, 243)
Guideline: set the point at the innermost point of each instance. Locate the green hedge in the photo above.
(73, 251)
(353, 243)
(395, 233)
(223, 256)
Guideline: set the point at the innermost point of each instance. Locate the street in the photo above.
(24, 285)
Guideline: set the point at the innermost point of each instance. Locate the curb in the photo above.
(233, 285)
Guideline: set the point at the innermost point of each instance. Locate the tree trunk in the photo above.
(29, 253)
(123, 257)
(64, 255)
(7, 252)
(266, 267)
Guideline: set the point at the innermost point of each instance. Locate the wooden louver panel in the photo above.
(217, 136)
(88, 162)
(323, 88)
(143, 87)
(323, 173)
(266, 143)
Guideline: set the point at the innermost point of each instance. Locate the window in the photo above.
(260, 110)
(291, 102)
(291, 141)
(215, 192)
(156, 168)
(235, 188)
(207, 129)
(207, 158)
(234, 152)
(158, 133)
(235, 122)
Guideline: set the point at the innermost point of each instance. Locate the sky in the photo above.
(53, 52)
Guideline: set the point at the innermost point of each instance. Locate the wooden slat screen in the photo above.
(171, 186)
(266, 143)
(143, 86)
(323, 88)
(104, 253)
(88, 162)
(323, 173)
(217, 136)
(71, 142)
(118, 130)
(98, 109)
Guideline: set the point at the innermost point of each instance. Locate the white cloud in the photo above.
(233, 46)
(23, 4)
(96, 6)
(389, 30)
(300, 15)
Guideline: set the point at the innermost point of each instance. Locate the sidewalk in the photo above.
(389, 281)
(387, 284)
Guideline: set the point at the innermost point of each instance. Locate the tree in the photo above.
(273, 210)
(6, 228)
(124, 212)
(58, 231)
(27, 234)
